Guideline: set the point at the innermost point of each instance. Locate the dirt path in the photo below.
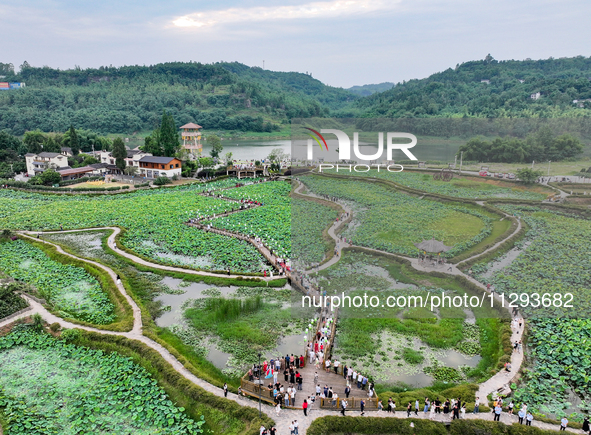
(285, 417)
(113, 245)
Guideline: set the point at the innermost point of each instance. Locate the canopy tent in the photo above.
(432, 246)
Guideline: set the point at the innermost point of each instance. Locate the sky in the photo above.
(340, 42)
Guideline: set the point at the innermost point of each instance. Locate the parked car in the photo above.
(511, 176)
(483, 173)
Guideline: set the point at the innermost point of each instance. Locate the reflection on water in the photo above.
(286, 345)
(250, 149)
(392, 369)
(193, 291)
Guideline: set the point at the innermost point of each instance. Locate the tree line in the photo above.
(541, 146)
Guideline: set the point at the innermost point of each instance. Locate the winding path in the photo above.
(113, 245)
(502, 379)
(285, 417)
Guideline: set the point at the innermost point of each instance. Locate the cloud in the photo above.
(324, 10)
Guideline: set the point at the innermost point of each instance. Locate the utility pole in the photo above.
(532, 164)
(549, 161)
(461, 159)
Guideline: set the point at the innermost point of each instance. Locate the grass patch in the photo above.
(412, 356)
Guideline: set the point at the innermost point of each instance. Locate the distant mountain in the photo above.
(226, 96)
(366, 90)
(490, 88)
(293, 82)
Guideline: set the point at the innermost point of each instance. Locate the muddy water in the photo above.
(193, 291)
(506, 260)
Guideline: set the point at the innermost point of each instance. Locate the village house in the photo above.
(153, 167)
(37, 163)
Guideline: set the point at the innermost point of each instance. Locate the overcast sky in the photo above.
(341, 42)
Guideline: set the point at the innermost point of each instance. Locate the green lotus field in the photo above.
(70, 289)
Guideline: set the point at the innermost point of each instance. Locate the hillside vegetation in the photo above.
(234, 97)
(460, 91)
(132, 98)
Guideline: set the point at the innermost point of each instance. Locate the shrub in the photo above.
(161, 181)
(71, 334)
(374, 425)
(37, 322)
(54, 327)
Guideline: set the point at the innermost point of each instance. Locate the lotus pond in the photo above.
(554, 259)
(458, 187)
(155, 221)
(229, 325)
(50, 387)
(392, 221)
(70, 289)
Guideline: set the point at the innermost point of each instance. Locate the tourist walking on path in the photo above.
(476, 405)
(529, 418)
(343, 406)
(225, 390)
(408, 409)
(417, 407)
(498, 410)
(278, 408)
(362, 406)
(427, 404)
(521, 416)
(586, 427)
(563, 423)
(305, 407)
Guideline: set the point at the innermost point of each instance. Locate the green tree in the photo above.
(169, 136)
(89, 160)
(528, 175)
(50, 177)
(9, 142)
(34, 140)
(277, 155)
(19, 167)
(228, 157)
(119, 152)
(51, 146)
(71, 140)
(216, 145)
(6, 171)
(206, 163)
(104, 143)
(152, 144)
(130, 170)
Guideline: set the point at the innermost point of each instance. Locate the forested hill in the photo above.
(490, 88)
(299, 83)
(365, 90)
(228, 96)
(238, 98)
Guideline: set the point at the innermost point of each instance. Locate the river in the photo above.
(440, 149)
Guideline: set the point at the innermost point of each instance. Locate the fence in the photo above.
(352, 403)
(255, 390)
